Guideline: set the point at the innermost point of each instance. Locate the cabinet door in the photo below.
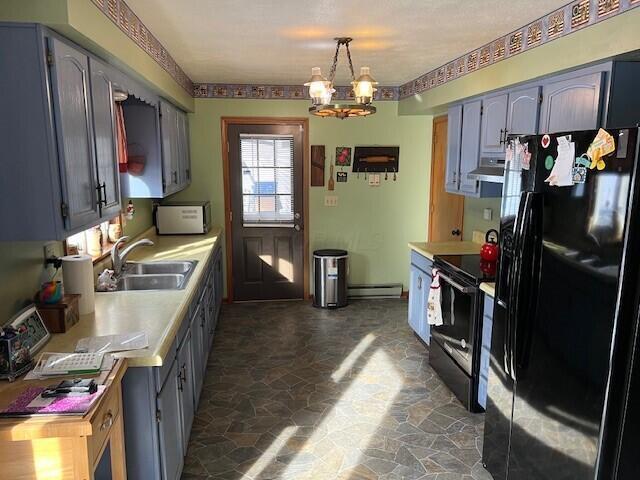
(573, 104)
(218, 282)
(415, 298)
(454, 134)
(186, 386)
(105, 140)
(425, 328)
(524, 107)
(169, 133)
(74, 131)
(470, 145)
(184, 174)
(485, 352)
(170, 426)
(198, 353)
(494, 123)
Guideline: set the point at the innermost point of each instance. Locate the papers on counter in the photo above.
(113, 343)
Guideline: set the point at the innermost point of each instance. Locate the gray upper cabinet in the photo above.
(454, 132)
(58, 126)
(470, 145)
(169, 134)
(184, 157)
(523, 111)
(494, 121)
(72, 107)
(105, 139)
(572, 104)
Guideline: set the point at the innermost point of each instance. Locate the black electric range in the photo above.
(455, 349)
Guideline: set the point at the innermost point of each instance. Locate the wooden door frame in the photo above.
(303, 122)
(436, 120)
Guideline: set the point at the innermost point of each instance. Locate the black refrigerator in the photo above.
(565, 308)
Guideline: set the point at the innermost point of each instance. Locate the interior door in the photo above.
(266, 190)
(70, 88)
(446, 211)
(106, 142)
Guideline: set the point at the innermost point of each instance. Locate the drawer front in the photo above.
(103, 421)
(422, 262)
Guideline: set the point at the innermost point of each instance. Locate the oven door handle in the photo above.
(456, 285)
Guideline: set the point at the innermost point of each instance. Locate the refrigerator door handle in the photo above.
(528, 272)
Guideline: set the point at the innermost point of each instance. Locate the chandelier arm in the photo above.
(353, 75)
(332, 73)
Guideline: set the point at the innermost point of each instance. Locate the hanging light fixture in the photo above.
(321, 90)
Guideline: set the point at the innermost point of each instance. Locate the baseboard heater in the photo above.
(383, 290)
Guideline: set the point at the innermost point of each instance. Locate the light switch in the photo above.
(487, 214)
(374, 179)
(330, 200)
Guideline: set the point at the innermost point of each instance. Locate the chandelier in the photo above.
(321, 90)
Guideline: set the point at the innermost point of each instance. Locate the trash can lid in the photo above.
(330, 252)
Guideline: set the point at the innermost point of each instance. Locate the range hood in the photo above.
(489, 170)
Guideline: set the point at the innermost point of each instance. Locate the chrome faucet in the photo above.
(118, 259)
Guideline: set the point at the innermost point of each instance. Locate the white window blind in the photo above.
(267, 179)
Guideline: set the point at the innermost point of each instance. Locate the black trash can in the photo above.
(330, 278)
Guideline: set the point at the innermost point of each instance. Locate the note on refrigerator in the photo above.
(113, 343)
(562, 172)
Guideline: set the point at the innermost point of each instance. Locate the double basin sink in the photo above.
(161, 275)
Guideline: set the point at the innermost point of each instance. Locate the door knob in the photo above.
(456, 232)
(297, 228)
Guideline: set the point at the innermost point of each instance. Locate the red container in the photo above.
(490, 250)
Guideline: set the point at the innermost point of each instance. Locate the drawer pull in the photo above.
(107, 421)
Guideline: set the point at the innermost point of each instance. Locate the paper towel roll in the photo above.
(77, 277)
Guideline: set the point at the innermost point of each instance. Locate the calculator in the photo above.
(70, 363)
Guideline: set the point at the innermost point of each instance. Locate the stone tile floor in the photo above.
(294, 392)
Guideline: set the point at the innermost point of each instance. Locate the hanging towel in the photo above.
(123, 161)
(434, 306)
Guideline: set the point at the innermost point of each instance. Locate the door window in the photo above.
(267, 180)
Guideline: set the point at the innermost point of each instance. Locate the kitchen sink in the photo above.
(163, 281)
(154, 268)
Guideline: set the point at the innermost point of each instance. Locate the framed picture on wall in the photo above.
(343, 156)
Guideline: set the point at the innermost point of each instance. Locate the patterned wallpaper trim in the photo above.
(280, 92)
(572, 17)
(562, 22)
(121, 14)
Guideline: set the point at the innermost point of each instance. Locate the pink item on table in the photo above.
(64, 405)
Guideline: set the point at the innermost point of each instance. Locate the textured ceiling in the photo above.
(278, 41)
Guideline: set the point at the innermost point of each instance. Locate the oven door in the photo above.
(456, 334)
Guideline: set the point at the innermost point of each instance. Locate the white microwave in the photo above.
(183, 218)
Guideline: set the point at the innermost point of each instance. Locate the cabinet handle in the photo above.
(107, 421)
(104, 193)
(419, 283)
(174, 176)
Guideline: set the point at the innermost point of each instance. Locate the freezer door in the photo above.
(561, 346)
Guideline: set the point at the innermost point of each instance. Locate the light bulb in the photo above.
(320, 89)
(364, 86)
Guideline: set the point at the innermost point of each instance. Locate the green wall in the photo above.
(473, 220)
(373, 223)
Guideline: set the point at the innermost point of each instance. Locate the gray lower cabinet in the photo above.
(572, 104)
(159, 403)
(170, 426)
(485, 350)
(419, 284)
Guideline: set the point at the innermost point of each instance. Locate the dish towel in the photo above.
(434, 305)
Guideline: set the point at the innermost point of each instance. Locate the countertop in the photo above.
(430, 249)
(489, 288)
(158, 313)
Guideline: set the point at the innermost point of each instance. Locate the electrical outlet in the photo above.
(374, 179)
(50, 250)
(330, 200)
(487, 214)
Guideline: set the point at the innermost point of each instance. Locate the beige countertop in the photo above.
(158, 313)
(429, 249)
(489, 288)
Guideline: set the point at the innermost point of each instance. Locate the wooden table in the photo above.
(64, 447)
